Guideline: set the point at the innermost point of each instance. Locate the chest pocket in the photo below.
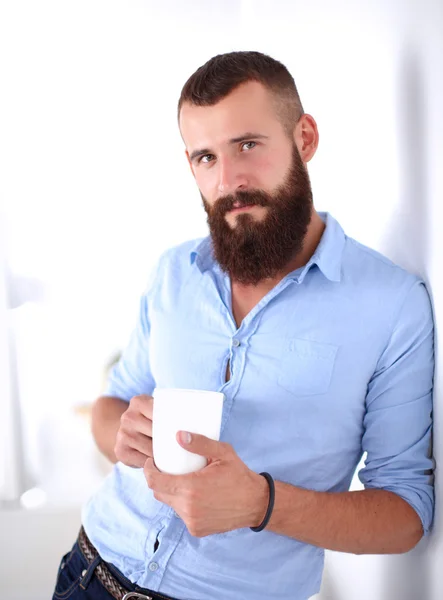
(307, 367)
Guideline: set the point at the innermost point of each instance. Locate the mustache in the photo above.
(241, 199)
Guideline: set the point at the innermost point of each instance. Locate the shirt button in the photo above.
(153, 566)
(236, 343)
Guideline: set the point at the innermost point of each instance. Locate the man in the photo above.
(322, 347)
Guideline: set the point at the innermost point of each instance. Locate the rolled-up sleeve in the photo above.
(398, 421)
(132, 375)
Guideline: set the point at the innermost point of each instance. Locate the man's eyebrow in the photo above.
(198, 153)
(247, 137)
(241, 138)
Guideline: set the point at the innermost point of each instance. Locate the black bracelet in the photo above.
(270, 505)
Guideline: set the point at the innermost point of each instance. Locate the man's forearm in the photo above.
(106, 414)
(371, 521)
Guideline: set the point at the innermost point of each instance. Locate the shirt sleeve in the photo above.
(132, 376)
(398, 419)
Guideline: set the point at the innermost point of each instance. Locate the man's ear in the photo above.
(306, 137)
(190, 163)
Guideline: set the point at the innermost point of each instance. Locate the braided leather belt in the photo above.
(105, 576)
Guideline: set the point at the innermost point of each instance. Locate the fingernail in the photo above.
(185, 437)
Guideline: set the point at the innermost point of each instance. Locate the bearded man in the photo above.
(322, 348)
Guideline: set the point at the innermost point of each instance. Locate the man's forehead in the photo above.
(247, 108)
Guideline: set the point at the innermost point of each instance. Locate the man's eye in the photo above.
(248, 145)
(206, 158)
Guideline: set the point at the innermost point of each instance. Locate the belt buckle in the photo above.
(136, 596)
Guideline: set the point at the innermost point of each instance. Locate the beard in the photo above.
(253, 250)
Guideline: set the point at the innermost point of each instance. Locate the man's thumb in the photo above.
(200, 444)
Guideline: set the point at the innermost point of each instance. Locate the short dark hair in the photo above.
(220, 75)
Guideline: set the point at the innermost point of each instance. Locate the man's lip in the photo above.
(240, 208)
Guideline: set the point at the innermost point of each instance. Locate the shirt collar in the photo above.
(327, 256)
(201, 255)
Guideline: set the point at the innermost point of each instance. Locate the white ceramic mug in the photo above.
(196, 411)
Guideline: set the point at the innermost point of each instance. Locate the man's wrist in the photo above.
(261, 500)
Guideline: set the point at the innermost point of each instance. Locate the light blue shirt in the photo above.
(334, 361)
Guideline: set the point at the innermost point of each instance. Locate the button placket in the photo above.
(235, 344)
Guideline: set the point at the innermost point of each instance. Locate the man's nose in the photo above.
(231, 177)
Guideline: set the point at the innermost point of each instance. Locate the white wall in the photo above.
(31, 546)
(96, 186)
(5, 383)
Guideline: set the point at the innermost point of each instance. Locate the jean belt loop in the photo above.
(90, 572)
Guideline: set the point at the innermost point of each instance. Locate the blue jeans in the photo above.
(76, 579)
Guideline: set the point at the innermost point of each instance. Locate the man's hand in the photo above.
(134, 438)
(223, 496)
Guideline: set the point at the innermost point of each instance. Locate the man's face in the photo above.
(254, 185)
